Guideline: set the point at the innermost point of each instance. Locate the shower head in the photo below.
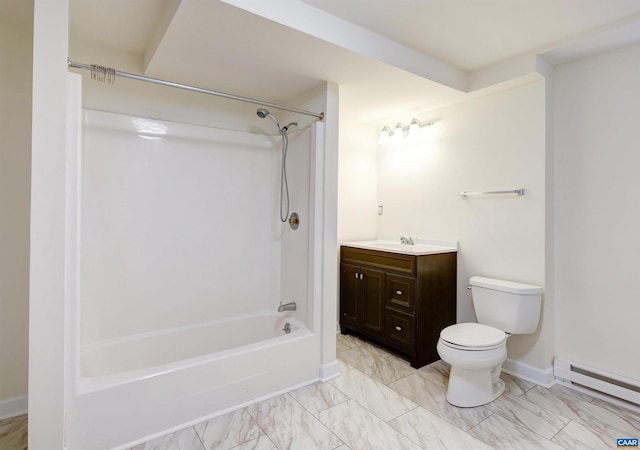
(288, 126)
(262, 113)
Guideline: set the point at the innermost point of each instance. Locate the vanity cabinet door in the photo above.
(349, 295)
(372, 284)
(362, 298)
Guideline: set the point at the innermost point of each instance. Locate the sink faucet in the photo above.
(287, 307)
(406, 240)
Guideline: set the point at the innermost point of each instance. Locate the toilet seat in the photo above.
(473, 337)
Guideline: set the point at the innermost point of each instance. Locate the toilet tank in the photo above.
(506, 305)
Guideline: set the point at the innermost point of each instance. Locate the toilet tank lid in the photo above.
(505, 286)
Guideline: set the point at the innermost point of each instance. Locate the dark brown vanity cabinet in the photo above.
(399, 301)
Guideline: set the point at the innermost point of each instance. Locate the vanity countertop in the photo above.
(421, 247)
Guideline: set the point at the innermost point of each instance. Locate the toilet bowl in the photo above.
(476, 351)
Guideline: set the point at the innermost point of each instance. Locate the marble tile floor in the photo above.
(380, 402)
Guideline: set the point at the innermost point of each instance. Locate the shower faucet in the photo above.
(287, 307)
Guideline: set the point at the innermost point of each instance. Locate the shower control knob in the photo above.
(294, 221)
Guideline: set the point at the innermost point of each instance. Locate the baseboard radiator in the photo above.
(598, 380)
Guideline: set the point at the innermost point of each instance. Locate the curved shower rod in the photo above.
(108, 74)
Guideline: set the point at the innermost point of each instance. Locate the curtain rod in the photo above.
(108, 74)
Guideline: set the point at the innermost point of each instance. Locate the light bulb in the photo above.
(385, 136)
(414, 126)
(398, 132)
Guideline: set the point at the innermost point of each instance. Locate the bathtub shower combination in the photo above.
(179, 263)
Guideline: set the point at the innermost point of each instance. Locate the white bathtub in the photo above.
(131, 390)
(133, 263)
(120, 361)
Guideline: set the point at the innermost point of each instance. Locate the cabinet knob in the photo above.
(361, 276)
(398, 328)
(356, 275)
(398, 292)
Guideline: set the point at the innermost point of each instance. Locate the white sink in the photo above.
(396, 247)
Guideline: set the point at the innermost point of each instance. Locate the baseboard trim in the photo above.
(541, 377)
(12, 407)
(329, 371)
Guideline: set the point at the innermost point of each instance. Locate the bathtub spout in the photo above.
(287, 307)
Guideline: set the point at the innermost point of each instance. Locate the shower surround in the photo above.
(177, 268)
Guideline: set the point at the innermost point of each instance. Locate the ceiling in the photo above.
(470, 35)
(389, 57)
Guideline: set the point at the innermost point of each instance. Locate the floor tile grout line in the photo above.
(402, 414)
(492, 413)
(560, 430)
(402, 434)
(582, 422)
(204, 447)
(317, 418)
(520, 424)
(399, 379)
(260, 426)
(546, 410)
(437, 413)
(371, 412)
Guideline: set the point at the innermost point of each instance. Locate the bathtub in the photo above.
(135, 389)
(132, 266)
(120, 361)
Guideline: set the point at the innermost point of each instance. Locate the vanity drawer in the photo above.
(401, 292)
(400, 330)
(394, 262)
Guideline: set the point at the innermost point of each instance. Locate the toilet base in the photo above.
(469, 388)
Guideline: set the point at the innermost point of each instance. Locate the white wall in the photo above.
(15, 177)
(47, 247)
(597, 140)
(324, 98)
(357, 182)
(489, 143)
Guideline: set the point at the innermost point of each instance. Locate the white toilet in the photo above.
(476, 351)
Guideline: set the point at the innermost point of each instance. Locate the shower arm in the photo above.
(108, 73)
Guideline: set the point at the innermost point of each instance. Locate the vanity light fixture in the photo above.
(399, 132)
(387, 135)
(414, 126)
